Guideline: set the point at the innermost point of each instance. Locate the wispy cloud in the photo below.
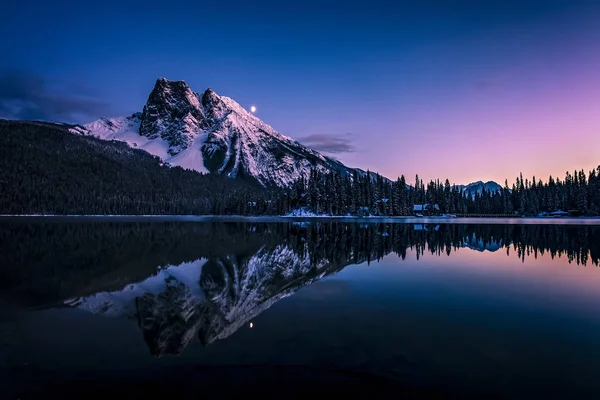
(327, 143)
(28, 96)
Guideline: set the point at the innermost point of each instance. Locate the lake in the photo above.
(136, 307)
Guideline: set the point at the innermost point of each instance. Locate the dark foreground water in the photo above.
(220, 310)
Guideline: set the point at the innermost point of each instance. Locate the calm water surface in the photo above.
(220, 310)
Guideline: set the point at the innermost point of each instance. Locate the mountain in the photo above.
(213, 134)
(479, 187)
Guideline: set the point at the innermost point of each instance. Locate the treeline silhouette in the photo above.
(371, 242)
(46, 262)
(44, 169)
(330, 193)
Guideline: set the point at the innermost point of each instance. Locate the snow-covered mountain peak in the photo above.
(213, 133)
(174, 114)
(172, 92)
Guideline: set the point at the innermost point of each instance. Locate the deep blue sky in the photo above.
(426, 87)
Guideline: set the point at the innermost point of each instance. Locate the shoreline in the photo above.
(322, 218)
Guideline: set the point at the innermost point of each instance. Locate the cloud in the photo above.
(329, 143)
(27, 96)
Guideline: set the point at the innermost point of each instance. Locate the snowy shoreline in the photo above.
(317, 218)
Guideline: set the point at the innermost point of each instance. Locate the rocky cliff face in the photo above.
(174, 114)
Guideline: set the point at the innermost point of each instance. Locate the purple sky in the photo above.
(467, 90)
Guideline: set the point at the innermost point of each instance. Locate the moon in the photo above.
(253, 109)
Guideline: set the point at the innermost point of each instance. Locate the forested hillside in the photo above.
(45, 169)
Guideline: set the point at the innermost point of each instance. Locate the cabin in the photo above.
(426, 209)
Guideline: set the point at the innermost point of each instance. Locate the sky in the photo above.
(465, 90)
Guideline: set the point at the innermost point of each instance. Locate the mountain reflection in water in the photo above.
(182, 281)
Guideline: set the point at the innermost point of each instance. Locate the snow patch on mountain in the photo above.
(78, 130)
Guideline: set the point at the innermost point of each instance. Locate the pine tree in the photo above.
(404, 197)
(582, 204)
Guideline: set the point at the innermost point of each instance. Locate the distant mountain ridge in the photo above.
(479, 186)
(209, 133)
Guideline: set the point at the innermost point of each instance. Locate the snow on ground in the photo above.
(305, 212)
